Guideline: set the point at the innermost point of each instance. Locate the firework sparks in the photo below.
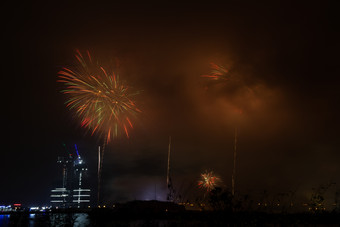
(98, 97)
(209, 181)
(221, 74)
(218, 72)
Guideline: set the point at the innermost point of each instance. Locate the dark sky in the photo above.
(283, 54)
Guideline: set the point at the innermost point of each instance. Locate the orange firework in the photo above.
(218, 72)
(209, 181)
(102, 102)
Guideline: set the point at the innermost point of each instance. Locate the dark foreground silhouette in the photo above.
(155, 213)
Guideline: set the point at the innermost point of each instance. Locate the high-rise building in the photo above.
(60, 197)
(81, 193)
(74, 192)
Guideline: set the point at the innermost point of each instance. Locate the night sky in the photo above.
(284, 55)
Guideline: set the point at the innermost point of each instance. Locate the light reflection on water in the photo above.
(31, 220)
(77, 219)
(58, 219)
(81, 220)
(4, 219)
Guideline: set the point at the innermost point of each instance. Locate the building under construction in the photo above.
(74, 191)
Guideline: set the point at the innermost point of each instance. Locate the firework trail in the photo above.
(98, 97)
(209, 181)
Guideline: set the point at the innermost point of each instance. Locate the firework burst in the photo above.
(98, 97)
(218, 73)
(208, 181)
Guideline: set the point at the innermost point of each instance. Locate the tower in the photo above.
(81, 193)
(61, 197)
(74, 192)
